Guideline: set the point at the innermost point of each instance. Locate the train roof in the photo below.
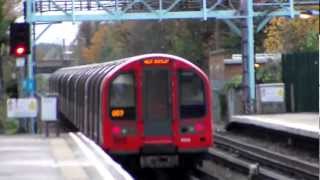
(111, 67)
(124, 61)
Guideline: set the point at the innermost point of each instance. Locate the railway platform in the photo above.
(302, 124)
(69, 157)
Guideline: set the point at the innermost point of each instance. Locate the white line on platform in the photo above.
(44, 163)
(106, 158)
(21, 148)
(41, 163)
(21, 141)
(72, 163)
(105, 174)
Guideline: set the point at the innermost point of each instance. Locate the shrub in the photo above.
(233, 83)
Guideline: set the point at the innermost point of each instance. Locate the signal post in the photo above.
(21, 47)
(30, 81)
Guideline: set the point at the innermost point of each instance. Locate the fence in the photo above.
(300, 73)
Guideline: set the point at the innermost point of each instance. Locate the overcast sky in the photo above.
(56, 33)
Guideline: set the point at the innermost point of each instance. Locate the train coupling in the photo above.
(159, 161)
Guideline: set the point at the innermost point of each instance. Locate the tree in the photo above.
(270, 73)
(7, 14)
(93, 51)
(311, 42)
(3, 40)
(296, 35)
(191, 39)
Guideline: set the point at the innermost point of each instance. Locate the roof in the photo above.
(118, 64)
(260, 58)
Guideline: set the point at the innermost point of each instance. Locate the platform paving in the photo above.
(27, 157)
(303, 124)
(34, 157)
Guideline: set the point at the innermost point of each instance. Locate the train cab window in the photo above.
(192, 99)
(122, 98)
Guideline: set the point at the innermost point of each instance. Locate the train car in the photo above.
(153, 109)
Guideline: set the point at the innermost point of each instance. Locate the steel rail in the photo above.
(253, 170)
(268, 158)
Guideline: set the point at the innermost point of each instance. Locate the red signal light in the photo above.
(20, 39)
(20, 51)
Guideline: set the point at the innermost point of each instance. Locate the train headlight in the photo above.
(187, 129)
(116, 130)
(191, 129)
(124, 131)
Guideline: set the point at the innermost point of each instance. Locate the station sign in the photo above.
(272, 93)
(22, 108)
(20, 62)
(49, 107)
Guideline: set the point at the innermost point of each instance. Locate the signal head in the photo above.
(20, 51)
(20, 39)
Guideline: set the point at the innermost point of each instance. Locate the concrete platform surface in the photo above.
(71, 157)
(303, 124)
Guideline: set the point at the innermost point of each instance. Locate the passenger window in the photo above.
(192, 103)
(122, 97)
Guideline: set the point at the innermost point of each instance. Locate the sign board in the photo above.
(20, 62)
(272, 94)
(22, 108)
(49, 108)
(29, 85)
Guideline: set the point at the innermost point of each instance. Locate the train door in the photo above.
(157, 115)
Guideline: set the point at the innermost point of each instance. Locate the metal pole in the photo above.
(204, 6)
(20, 68)
(291, 3)
(292, 103)
(248, 56)
(30, 75)
(34, 57)
(251, 54)
(2, 88)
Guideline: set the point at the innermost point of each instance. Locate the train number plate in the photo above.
(159, 161)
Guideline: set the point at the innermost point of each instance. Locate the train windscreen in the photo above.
(192, 100)
(122, 97)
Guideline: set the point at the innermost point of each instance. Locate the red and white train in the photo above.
(154, 109)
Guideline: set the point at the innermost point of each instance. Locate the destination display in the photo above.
(153, 61)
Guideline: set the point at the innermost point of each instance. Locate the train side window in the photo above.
(122, 97)
(192, 98)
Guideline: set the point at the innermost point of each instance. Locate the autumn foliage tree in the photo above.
(97, 42)
(292, 35)
(191, 39)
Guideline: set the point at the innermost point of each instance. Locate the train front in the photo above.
(158, 112)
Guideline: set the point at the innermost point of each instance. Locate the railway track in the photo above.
(260, 163)
(199, 174)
